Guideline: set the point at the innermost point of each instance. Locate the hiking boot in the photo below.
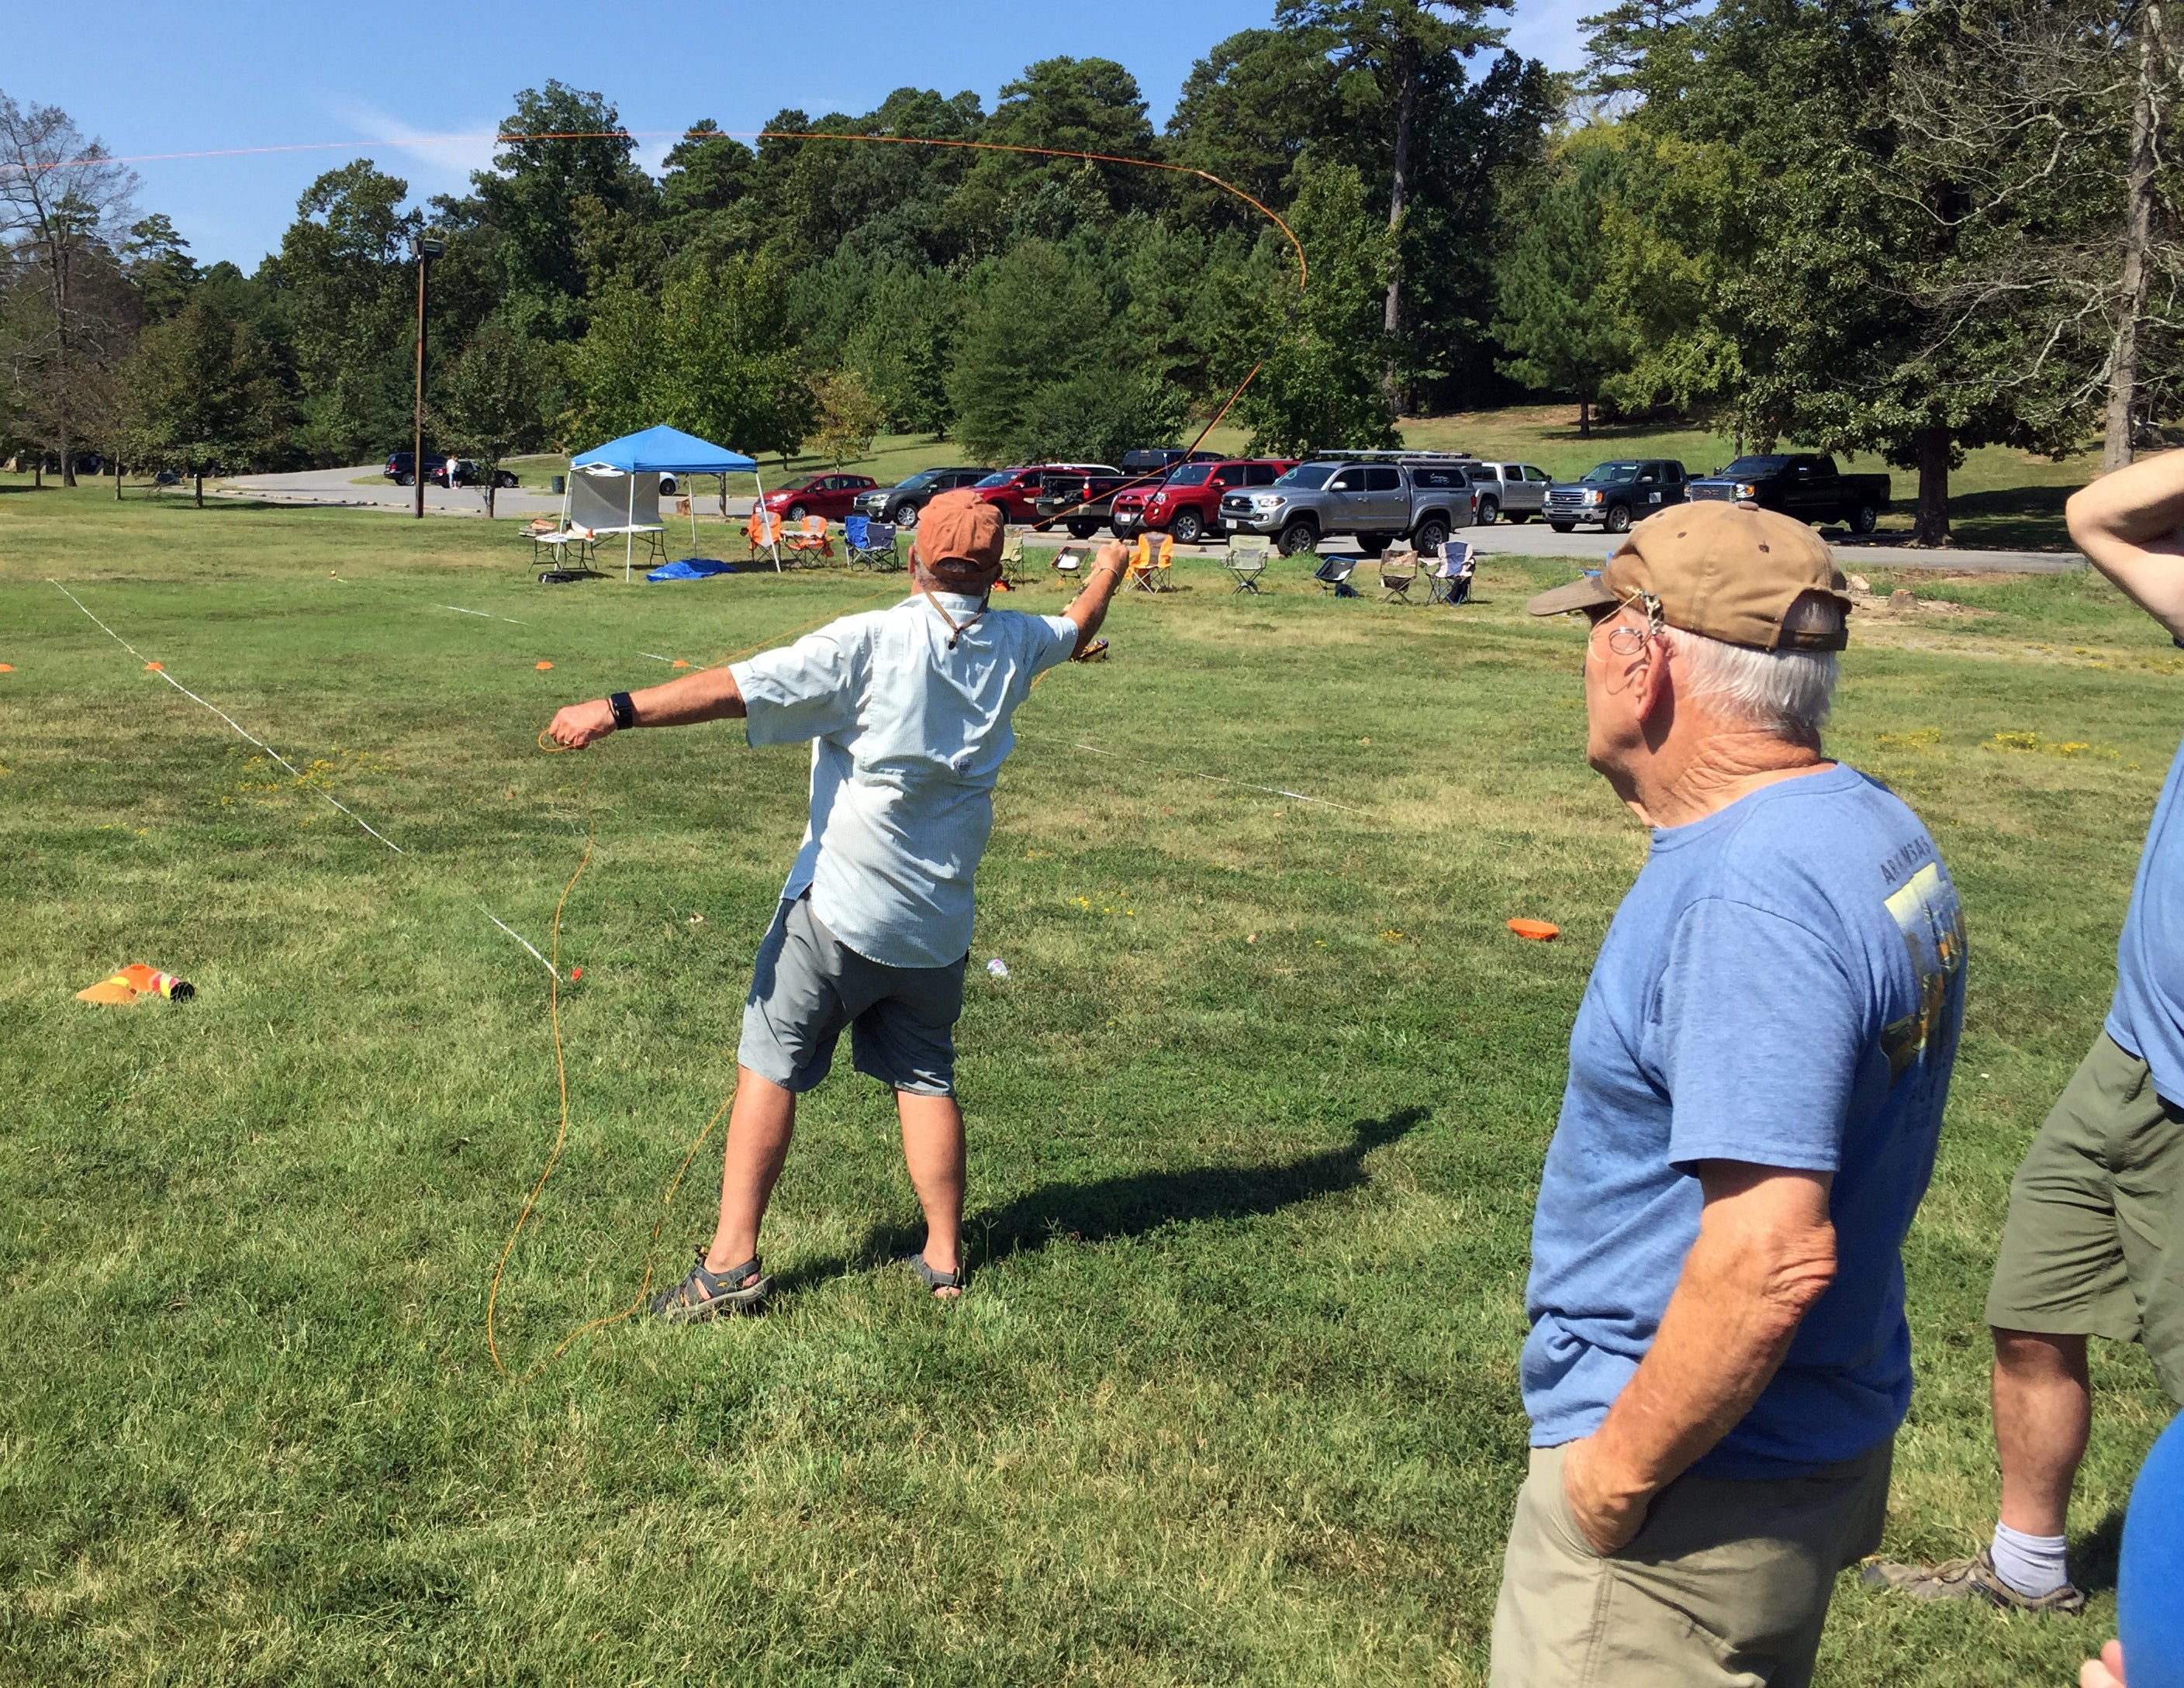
(1972, 1579)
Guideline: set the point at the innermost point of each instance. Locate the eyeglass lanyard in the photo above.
(956, 629)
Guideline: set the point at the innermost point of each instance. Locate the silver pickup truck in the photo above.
(1372, 497)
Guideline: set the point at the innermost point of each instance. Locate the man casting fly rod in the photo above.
(908, 711)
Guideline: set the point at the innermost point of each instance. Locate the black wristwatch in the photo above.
(625, 712)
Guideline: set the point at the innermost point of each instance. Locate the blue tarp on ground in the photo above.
(691, 568)
(662, 451)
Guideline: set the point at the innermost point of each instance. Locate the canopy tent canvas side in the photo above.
(605, 502)
(656, 452)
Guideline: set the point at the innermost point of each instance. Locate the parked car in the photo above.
(400, 468)
(1017, 490)
(1368, 497)
(1616, 495)
(462, 471)
(1080, 496)
(1518, 491)
(1160, 459)
(1187, 504)
(1805, 484)
(833, 496)
(901, 503)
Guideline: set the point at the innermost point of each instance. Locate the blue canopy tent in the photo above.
(654, 452)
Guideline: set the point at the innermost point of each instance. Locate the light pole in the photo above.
(424, 249)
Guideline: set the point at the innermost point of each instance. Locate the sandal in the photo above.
(706, 1294)
(938, 1281)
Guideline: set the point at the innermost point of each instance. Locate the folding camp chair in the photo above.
(870, 543)
(763, 533)
(1150, 564)
(809, 543)
(1449, 580)
(1399, 572)
(1069, 563)
(1333, 574)
(1246, 567)
(1012, 565)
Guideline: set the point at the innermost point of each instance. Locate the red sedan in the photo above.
(833, 496)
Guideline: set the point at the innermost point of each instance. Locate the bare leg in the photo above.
(933, 1149)
(2044, 1415)
(760, 1126)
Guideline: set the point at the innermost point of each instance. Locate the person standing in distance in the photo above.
(2094, 1242)
(1718, 1359)
(908, 713)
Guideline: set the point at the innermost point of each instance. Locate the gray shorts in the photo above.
(807, 985)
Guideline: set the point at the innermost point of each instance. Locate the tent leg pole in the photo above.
(629, 533)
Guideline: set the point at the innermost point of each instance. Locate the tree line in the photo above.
(1911, 229)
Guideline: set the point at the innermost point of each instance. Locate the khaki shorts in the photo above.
(808, 987)
(2094, 1243)
(1727, 1583)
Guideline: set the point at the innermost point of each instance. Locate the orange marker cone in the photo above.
(7, 668)
(155, 668)
(1540, 931)
(137, 980)
(543, 667)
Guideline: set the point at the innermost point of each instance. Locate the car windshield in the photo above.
(1613, 471)
(1757, 465)
(924, 477)
(1309, 475)
(1190, 475)
(1000, 477)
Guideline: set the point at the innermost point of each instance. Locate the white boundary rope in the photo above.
(244, 733)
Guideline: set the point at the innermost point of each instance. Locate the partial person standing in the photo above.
(1718, 1359)
(908, 711)
(2094, 1242)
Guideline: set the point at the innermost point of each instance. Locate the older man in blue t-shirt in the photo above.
(1718, 1359)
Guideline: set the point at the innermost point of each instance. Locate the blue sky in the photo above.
(146, 79)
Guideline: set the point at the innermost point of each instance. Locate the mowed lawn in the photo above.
(1258, 1118)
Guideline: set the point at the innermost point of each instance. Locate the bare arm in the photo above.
(708, 694)
(1089, 609)
(2127, 524)
(1766, 1251)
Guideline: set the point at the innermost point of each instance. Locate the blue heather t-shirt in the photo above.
(2149, 1617)
(1783, 986)
(2148, 1017)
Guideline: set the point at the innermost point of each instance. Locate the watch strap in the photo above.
(625, 712)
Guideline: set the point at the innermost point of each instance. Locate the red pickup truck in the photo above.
(1188, 504)
(1017, 490)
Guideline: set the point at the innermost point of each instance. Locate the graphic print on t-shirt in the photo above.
(1926, 912)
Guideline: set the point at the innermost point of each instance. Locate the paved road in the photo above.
(337, 487)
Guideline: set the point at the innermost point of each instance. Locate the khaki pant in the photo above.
(1727, 1583)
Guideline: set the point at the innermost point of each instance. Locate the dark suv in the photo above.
(1188, 504)
(400, 471)
(900, 503)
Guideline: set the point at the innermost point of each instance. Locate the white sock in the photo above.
(2031, 1565)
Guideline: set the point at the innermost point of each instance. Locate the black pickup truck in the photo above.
(1805, 484)
(1082, 496)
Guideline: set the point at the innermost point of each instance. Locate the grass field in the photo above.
(1257, 1124)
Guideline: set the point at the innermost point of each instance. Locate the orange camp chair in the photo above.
(1150, 564)
(810, 542)
(763, 533)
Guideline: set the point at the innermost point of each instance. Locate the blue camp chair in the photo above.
(871, 543)
(1333, 574)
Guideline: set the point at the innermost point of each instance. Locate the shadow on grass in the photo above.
(1134, 1205)
(2095, 1556)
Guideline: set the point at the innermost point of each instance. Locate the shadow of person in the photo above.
(1134, 1203)
(2095, 1556)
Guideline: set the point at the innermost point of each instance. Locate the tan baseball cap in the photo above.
(960, 534)
(1734, 574)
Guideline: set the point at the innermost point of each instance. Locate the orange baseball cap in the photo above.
(1745, 577)
(960, 534)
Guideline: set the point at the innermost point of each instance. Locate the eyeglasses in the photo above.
(1627, 641)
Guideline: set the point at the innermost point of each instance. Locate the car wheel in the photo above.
(1562, 526)
(1517, 518)
(1372, 544)
(798, 512)
(1298, 536)
(1081, 530)
(406, 481)
(667, 486)
(1618, 519)
(1867, 518)
(904, 514)
(1490, 512)
(1429, 537)
(1187, 528)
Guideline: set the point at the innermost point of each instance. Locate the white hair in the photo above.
(1783, 692)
